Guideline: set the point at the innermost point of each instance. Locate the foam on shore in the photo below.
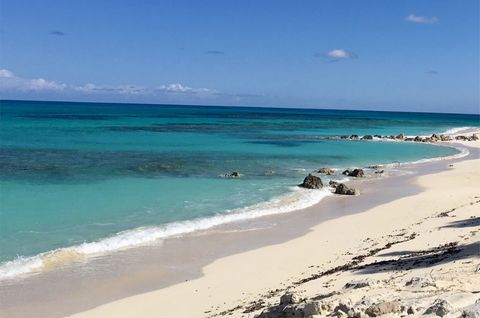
(296, 199)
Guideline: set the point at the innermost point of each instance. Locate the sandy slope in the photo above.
(254, 280)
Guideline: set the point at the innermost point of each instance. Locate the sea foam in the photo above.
(296, 199)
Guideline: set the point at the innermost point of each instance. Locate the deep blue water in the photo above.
(83, 172)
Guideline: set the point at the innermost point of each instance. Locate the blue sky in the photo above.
(385, 55)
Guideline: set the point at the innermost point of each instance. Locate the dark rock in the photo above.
(409, 139)
(367, 137)
(435, 137)
(473, 137)
(357, 173)
(379, 171)
(289, 298)
(411, 310)
(383, 308)
(440, 308)
(344, 137)
(326, 171)
(354, 173)
(233, 174)
(461, 137)
(343, 189)
(400, 136)
(354, 137)
(377, 136)
(333, 184)
(312, 182)
(417, 139)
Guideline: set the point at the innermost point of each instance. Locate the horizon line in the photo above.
(236, 106)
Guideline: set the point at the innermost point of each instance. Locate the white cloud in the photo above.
(5, 73)
(12, 83)
(8, 81)
(337, 55)
(179, 88)
(421, 19)
(121, 89)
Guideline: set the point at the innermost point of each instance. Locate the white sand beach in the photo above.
(428, 244)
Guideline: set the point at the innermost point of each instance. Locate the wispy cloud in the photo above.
(421, 19)
(57, 33)
(120, 89)
(5, 73)
(337, 55)
(9, 81)
(215, 52)
(179, 88)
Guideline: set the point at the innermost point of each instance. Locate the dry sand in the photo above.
(412, 236)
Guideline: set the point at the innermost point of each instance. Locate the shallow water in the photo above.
(101, 177)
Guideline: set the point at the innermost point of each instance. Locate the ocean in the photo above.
(90, 178)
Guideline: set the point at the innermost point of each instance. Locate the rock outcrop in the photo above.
(357, 173)
(343, 189)
(383, 308)
(326, 171)
(440, 308)
(233, 174)
(311, 182)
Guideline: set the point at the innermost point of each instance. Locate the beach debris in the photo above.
(233, 174)
(292, 306)
(421, 282)
(383, 308)
(354, 284)
(440, 308)
(343, 189)
(326, 171)
(311, 182)
(411, 310)
(379, 171)
(357, 173)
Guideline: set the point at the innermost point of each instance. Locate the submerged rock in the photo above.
(326, 171)
(233, 174)
(311, 182)
(343, 189)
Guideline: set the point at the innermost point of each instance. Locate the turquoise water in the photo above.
(99, 177)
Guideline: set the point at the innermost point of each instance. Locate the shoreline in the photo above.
(219, 293)
(24, 267)
(238, 232)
